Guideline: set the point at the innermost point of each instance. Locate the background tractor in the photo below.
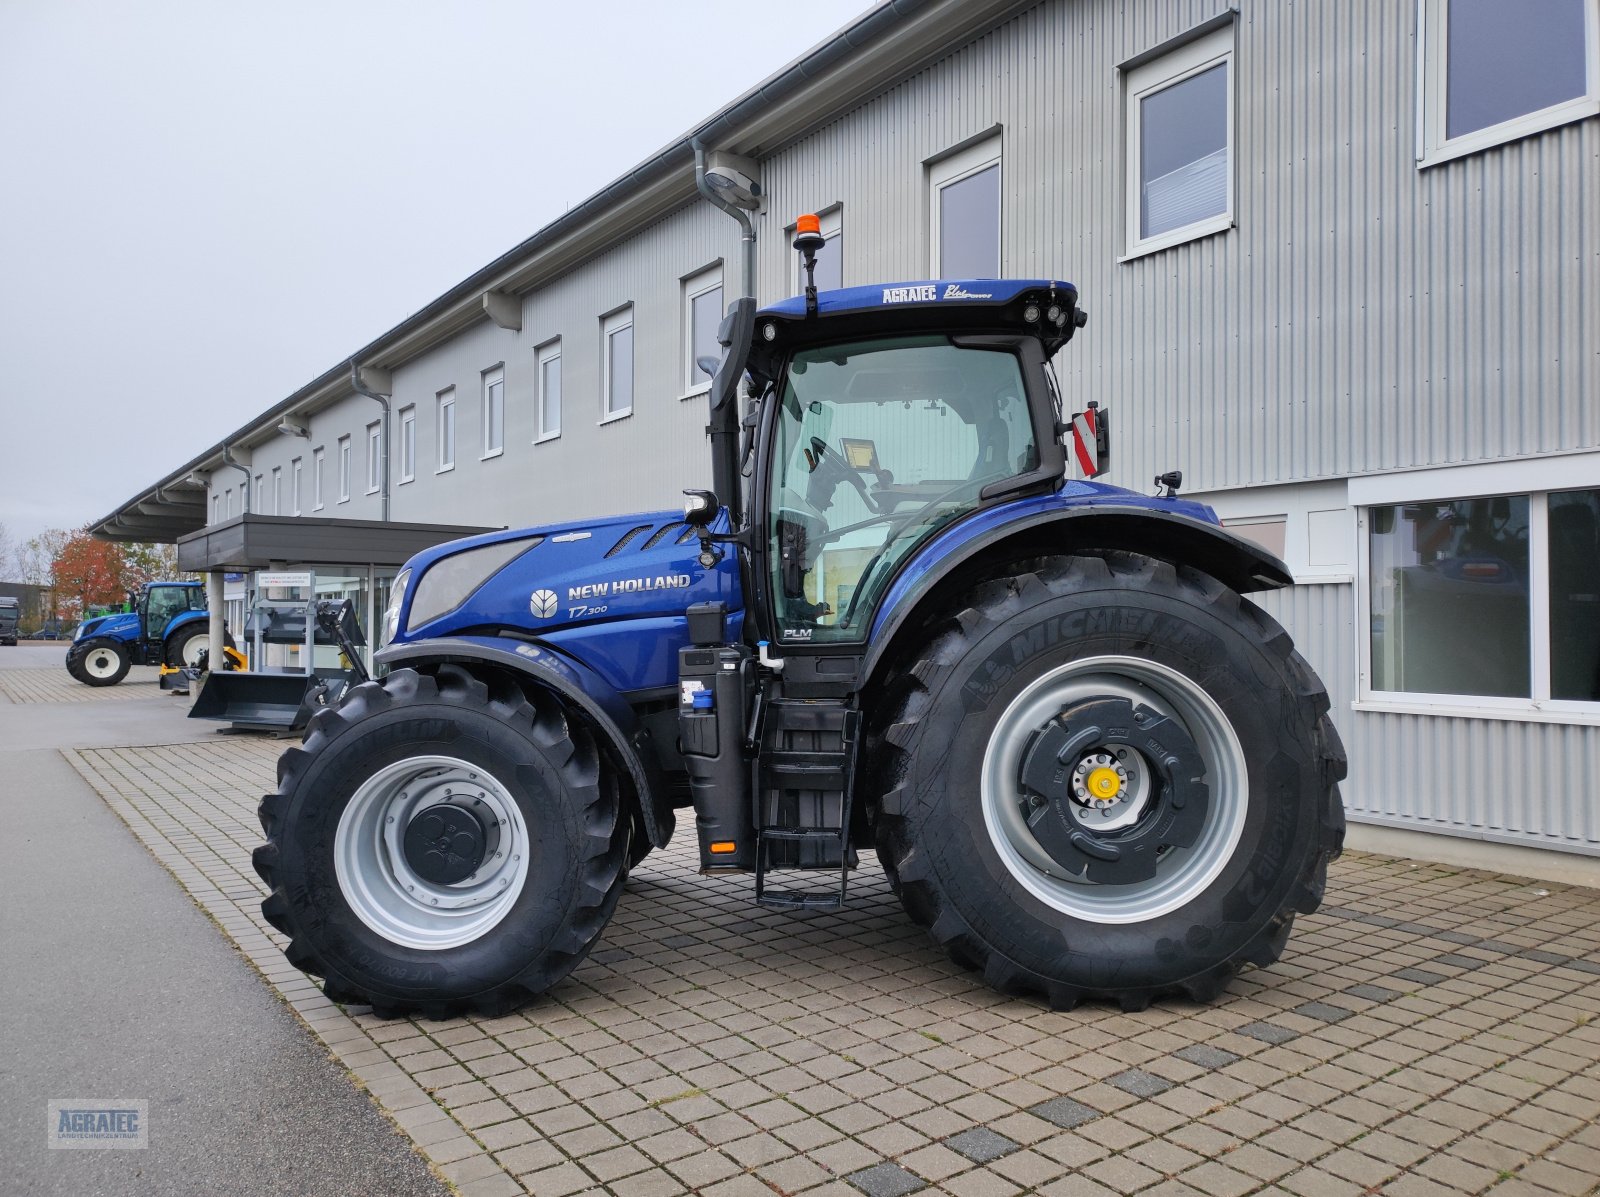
(166, 625)
(1089, 766)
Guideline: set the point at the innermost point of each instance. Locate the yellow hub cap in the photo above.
(1103, 784)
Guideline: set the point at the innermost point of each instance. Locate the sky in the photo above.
(205, 205)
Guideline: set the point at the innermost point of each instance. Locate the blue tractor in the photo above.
(166, 624)
(1088, 765)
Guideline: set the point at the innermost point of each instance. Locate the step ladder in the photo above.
(805, 774)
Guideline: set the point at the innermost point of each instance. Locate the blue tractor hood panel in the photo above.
(610, 592)
(115, 627)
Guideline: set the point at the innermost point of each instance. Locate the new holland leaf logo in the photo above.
(543, 603)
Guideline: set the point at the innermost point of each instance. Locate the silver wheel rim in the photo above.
(1183, 873)
(100, 662)
(387, 894)
(189, 651)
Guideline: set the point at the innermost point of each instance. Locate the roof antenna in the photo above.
(808, 239)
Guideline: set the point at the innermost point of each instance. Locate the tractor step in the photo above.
(802, 899)
(805, 771)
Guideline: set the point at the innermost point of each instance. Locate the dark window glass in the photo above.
(1507, 60)
(706, 313)
(1183, 152)
(830, 263)
(621, 350)
(969, 226)
(1450, 610)
(1575, 595)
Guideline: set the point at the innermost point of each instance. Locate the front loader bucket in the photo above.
(259, 701)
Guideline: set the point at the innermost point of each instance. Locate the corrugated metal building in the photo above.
(1343, 265)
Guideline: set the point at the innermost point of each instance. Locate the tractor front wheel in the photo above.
(1107, 777)
(99, 663)
(442, 845)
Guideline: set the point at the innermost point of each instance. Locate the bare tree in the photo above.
(7, 552)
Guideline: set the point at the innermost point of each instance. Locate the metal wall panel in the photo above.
(1501, 779)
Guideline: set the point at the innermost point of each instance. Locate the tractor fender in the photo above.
(1169, 536)
(608, 713)
(178, 622)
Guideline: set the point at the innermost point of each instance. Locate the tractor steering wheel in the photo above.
(827, 471)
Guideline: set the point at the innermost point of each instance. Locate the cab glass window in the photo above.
(879, 445)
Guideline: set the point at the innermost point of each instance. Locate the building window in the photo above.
(616, 339)
(216, 509)
(317, 457)
(1492, 72)
(966, 212)
(228, 503)
(702, 313)
(1180, 144)
(1487, 602)
(374, 457)
(830, 258)
(494, 411)
(277, 490)
(447, 429)
(259, 494)
(295, 470)
(549, 397)
(408, 443)
(344, 469)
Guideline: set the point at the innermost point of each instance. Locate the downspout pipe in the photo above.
(361, 388)
(724, 425)
(227, 459)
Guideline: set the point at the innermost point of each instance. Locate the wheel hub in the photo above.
(446, 843)
(1110, 786)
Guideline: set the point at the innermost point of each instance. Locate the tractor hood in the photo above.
(118, 627)
(540, 580)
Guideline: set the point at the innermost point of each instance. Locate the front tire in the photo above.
(1109, 778)
(99, 663)
(442, 845)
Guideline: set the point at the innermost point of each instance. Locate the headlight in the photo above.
(391, 613)
(452, 580)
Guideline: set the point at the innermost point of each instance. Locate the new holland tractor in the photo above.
(166, 624)
(1089, 766)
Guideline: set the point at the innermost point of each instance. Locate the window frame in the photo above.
(494, 376)
(408, 444)
(216, 507)
(1537, 479)
(610, 325)
(319, 456)
(345, 468)
(374, 457)
(954, 167)
(1433, 83)
(445, 406)
(693, 287)
(277, 490)
(831, 221)
(1154, 73)
(550, 351)
(296, 476)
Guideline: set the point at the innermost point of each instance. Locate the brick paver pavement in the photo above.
(49, 685)
(1431, 1031)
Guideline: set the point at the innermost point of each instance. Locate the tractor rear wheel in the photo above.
(1107, 777)
(442, 845)
(99, 663)
(183, 647)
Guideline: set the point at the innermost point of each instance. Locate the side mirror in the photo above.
(708, 364)
(737, 330)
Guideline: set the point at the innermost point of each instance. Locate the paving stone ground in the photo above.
(1431, 1031)
(52, 686)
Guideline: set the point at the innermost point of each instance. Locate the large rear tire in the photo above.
(99, 663)
(1108, 778)
(442, 845)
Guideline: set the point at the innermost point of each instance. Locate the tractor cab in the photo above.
(159, 605)
(889, 413)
